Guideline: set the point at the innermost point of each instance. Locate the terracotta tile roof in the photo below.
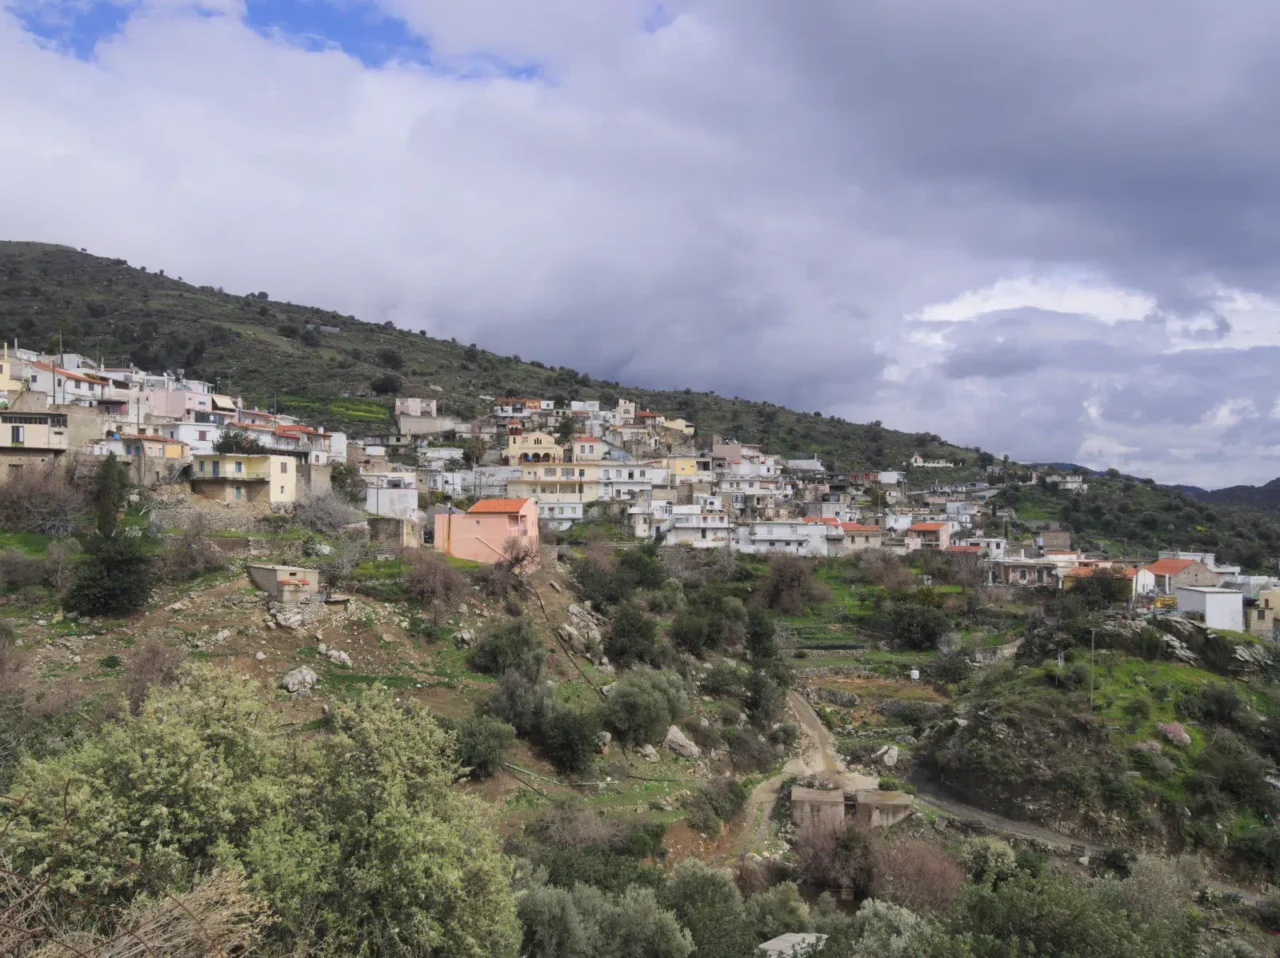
(927, 527)
(1083, 571)
(1169, 566)
(857, 527)
(500, 506)
(825, 520)
(968, 550)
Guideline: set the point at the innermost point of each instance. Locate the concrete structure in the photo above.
(398, 533)
(935, 536)
(1220, 608)
(489, 530)
(819, 806)
(31, 440)
(286, 584)
(860, 538)
(532, 447)
(392, 495)
(794, 944)
(254, 478)
(413, 406)
(153, 459)
(877, 809)
(1261, 612)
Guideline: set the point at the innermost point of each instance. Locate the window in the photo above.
(582, 473)
(239, 466)
(566, 473)
(549, 473)
(631, 473)
(17, 435)
(284, 468)
(239, 492)
(202, 465)
(641, 473)
(282, 490)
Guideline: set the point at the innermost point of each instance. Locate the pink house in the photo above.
(487, 531)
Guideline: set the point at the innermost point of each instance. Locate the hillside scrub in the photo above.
(633, 636)
(789, 587)
(430, 579)
(643, 703)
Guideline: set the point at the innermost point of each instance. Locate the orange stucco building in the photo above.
(486, 531)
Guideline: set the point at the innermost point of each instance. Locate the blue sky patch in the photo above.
(359, 29)
(75, 28)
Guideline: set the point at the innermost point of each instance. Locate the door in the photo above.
(217, 466)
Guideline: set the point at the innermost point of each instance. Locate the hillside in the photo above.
(1265, 496)
(253, 345)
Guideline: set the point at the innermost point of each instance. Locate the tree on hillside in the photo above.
(115, 576)
(385, 385)
(238, 442)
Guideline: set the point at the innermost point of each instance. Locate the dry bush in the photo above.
(347, 552)
(750, 877)
(44, 501)
(916, 874)
(217, 917)
(326, 513)
(60, 561)
(573, 825)
(836, 857)
(189, 555)
(503, 578)
(789, 586)
(11, 664)
(878, 567)
(430, 579)
(18, 571)
(154, 663)
(597, 550)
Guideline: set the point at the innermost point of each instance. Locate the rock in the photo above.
(609, 689)
(890, 758)
(836, 697)
(464, 638)
(602, 741)
(222, 636)
(322, 648)
(259, 655)
(178, 606)
(75, 660)
(649, 753)
(301, 679)
(572, 638)
(555, 585)
(338, 657)
(1175, 733)
(879, 752)
(703, 723)
(324, 549)
(680, 743)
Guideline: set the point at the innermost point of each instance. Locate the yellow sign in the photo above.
(1166, 602)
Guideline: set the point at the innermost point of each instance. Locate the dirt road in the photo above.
(818, 756)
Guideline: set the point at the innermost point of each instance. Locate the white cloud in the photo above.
(1080, 295)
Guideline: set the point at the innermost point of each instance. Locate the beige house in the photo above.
(860, 538)
(532, 447)
(31, 440)
(257, 478)
(287, 584)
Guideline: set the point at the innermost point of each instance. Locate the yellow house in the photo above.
(683, 469)
(682, 425)
(31, 440)
(1260, 617)
(577, 482)
(532, 447)
(155, 458)
(253, 478)
(9, 380)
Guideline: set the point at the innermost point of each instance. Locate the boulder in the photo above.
(649, 753)
(464, 638)
(223, 635)
(680, 743)
(890, 757)
(602, 741)
(299, 680)
(259, 655)
(322, 648)
(338, 657)
(1175, 733)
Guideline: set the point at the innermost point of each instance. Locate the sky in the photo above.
(1045, 229)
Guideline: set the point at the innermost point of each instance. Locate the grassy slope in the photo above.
(105, 307)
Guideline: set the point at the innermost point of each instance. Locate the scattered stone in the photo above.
(259, 655)
(879, 753)
(222, 636)
(338, 657)
(555, 585)
(680, 743)
(464, 638)
(301, 679)
(322, 648)
(178, 606)
(649, 753)
(609, 689)
(75, 660)
(602, 741)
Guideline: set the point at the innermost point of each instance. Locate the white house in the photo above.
(792, 536)
(391, 495)
(1221, 608)
(703, 524)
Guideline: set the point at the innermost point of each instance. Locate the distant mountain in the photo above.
(1263, 497)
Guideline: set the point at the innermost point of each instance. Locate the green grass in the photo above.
(344, 680)
(28, 543)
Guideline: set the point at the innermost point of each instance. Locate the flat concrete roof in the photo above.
(876, 797)
(833, 795)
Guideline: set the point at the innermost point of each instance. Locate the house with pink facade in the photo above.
(489, 530)
(929, 535)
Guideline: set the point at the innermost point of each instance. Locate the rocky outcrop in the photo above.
(299, 680)
(680, 743)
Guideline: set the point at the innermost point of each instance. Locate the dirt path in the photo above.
(818, 756)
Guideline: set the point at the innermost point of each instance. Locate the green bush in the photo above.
(633, 636)
(510, 646)
(568, 736)
(114, 578)
(483, 742)
(643, 704)
(918, 626)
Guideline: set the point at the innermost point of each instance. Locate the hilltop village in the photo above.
(556, 466)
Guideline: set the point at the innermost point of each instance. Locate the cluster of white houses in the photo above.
(567, 462)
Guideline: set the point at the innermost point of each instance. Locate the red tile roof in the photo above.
(927, 527)
(970, 550)
(499, 506)
(826, 520)
(1169, 566)
(1083, 571)
(856, 527)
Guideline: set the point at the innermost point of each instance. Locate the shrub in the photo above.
(483, 742)
(113, 579)
(749, 751)
(725, 681)
(948, 668)
(18, 571)
(43, 501)
(326, 513)
(633, 636)
(989, 860)
(390, 358)
(643, 704)
(916, 874)
(778, 911)
(761, 636)
(917, 626)
(60, 561)
(690, 632)
(709, 906)
(714, 803)
(385, 385)
(588, 923)
(510, 646)
(836, 857)
(568, 735)
(789, 586)
(153, 664)
(430, 579)
(522, 698)
(188, 556)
